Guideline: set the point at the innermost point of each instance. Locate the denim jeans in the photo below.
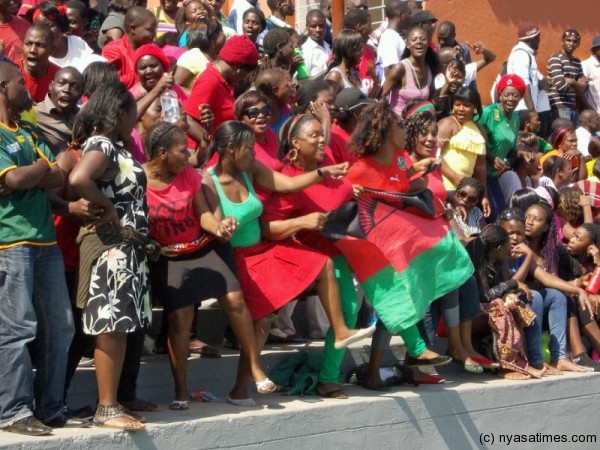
(565, 113)
(552, 303)
(446, 306)
(34, 308)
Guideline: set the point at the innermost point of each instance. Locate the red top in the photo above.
(338, 144)
(327, 195)
(366, 64)
(38, 88)
(369, 173)
(171, 210)
(121, 55)
(435, 184)
(12, 34)
(210, 87)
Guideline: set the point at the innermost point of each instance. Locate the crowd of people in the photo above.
(172, 155)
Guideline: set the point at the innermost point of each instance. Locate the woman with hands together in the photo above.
(193, 265)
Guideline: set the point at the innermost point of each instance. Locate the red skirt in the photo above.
(273, 273)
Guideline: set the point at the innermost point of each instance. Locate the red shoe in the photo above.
(425, 378)
(486, 363)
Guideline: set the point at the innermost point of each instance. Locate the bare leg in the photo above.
(465, 329)
(372, 374)
(566, 365)
(109, 355)
(592, 332)
(575, 342)
(180, 322)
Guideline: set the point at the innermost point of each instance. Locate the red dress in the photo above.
(327, 195)
(338, 143)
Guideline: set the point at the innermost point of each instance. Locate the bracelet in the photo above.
(320, 172)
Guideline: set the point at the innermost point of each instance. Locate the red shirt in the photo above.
(210, 87)
(327, 195)
(121, 55)
(368, 173)
(38, 87)
(171, 210)
(338, 143)
(12, 34)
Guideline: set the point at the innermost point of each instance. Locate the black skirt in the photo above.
(186, 280)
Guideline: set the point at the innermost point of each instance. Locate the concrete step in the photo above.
(471, 411)
(155, 381)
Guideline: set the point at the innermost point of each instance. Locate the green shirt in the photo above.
(501, 132)
(543, 146)
(25, 215)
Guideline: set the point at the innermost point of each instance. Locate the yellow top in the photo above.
(462, 151)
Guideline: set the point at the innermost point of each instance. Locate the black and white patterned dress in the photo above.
(118, 298)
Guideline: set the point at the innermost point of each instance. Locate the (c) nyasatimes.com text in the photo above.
(547, 438)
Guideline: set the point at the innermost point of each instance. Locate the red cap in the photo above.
(511, 80)
(239, 49)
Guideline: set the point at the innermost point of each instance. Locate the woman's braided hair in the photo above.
(161, 135)
(416, 125)
(373, 127)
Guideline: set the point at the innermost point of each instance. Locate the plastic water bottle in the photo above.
(169, 104)
(301, 70)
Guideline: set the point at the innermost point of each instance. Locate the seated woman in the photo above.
(556, 172)
(576, 264)
(192, 266)
(205, 38)
(316, 98)
(347, 51)
(278, 51)
(525, 164)
(490, 253)
(574, 209)
(535, 263)
(468, 195)
(271, 273)
(378, 141)
(302, 215)
(564, 143)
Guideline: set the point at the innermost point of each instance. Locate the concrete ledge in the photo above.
(453, 415)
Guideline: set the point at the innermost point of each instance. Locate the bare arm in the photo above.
(277, 182)
(26, 177)
(278, 230)
(393, 79)
(114, 34)
(182, 76)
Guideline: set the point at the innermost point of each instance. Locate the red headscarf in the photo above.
(152, 50)
(511, 80)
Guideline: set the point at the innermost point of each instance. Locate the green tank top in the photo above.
(246, 213)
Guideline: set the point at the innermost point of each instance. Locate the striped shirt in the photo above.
(561, 66)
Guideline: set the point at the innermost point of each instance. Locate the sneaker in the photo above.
(584, 360)
(86, 362)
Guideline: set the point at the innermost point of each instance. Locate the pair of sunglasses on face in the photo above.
(254, 112)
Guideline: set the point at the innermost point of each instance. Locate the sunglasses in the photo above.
(463, 195)
(512, 213)
(253, 113)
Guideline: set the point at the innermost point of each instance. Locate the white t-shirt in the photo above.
(583, 140)
(79, 55)
(390, 48)
(194, 61)
(591, 70)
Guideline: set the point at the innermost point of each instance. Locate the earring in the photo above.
(292, 156)
(476, 111)
(453, 110)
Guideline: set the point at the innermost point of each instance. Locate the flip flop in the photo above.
(246, 402)
(179, 405)
(338, 394)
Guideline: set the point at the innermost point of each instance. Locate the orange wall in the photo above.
(495, 23)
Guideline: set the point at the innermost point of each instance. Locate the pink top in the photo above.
(172, 216)
(399, 98)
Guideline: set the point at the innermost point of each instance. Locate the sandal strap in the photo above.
(107, 412)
